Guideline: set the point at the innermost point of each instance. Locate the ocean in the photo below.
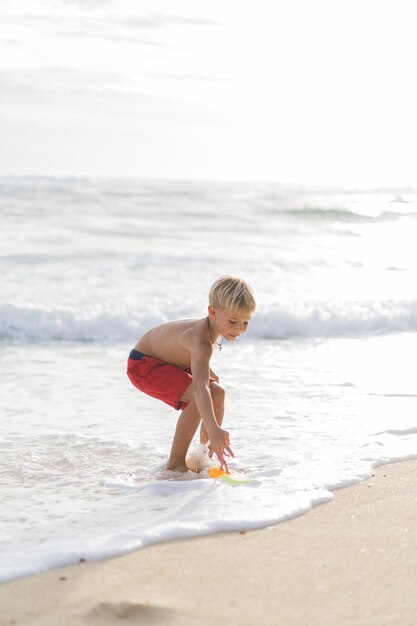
(318, 392)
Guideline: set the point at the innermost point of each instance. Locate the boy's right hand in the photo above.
(220, 444)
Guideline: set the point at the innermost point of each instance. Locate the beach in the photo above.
(319, 392)
(150, 149)
(348, 562)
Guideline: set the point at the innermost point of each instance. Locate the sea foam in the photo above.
(326, 319)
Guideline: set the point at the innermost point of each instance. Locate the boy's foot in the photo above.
(177, 468)
(183, 469)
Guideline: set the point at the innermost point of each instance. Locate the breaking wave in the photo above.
(35, 325)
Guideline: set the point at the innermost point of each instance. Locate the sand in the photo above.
(349, 562)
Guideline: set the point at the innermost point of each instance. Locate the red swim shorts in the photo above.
(158, 379)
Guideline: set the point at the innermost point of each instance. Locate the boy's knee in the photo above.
(217, 392)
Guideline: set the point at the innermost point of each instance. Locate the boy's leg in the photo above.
(188, 423)
(185, 430)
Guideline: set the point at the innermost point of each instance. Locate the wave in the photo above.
(321, 320)
(209, 199)
(343, 215)
(332, 319)
(321, 213)
(32, 325)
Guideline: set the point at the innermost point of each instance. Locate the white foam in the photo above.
(334, 319)
(319, 319)
(31, 324)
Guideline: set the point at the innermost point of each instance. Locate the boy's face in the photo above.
(230, 324)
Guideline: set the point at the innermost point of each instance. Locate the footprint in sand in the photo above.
(127, 613)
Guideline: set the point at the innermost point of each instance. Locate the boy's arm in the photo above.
(219, 438)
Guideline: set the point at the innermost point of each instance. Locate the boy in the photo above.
(171, 362)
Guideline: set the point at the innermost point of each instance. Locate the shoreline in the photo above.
(348, 562)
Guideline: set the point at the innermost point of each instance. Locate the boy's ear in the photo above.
(211, 310)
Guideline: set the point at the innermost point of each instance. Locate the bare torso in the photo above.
(172, 342)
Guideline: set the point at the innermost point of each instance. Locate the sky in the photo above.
(294, 91)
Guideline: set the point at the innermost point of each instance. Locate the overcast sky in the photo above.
(293, 91)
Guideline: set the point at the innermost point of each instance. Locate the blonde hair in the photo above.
(233, 293)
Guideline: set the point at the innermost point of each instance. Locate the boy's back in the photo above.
(172, 342)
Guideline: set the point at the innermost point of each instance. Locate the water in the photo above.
(319, 391)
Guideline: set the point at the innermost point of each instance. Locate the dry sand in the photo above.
(348, 562)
